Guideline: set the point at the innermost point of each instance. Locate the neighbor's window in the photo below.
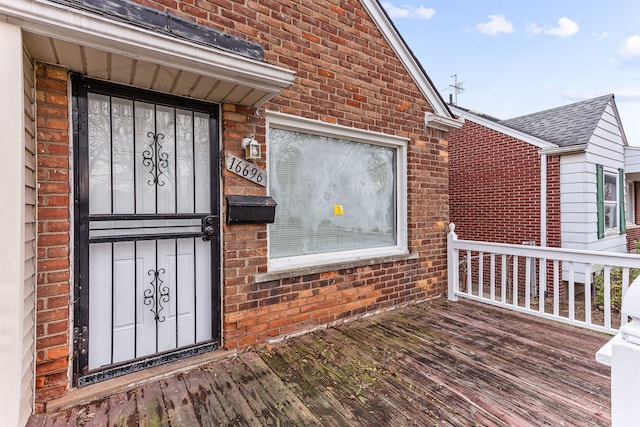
(610, 201)
(630, 203)
(340, 193)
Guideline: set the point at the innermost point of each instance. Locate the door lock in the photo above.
(208, 227)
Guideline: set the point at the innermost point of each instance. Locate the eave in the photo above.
(103, 48)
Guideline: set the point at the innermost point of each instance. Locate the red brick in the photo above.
(346, 74)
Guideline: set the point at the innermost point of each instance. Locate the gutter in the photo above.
(441, 122)
(550, 151)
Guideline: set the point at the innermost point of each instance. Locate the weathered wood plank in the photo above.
(579, 374)
(205, 399)
(474, 370)
(61, 419)
(432, 402)
(274, 393)
(123, 409)
(177, 402)
(439, 363)
(230, 396)
(263, 405)
(327, 370)
(150, 404)
(296, 374)
(36, 420)
(582, 376)
(95, 413)
(407, 335)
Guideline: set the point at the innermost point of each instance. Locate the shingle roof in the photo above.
(568, 125)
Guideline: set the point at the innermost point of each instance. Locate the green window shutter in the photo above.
(623, 216)
(600, 199)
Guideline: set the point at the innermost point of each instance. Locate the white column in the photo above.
(452, 264)
(543, 200)
(12, 223)
(622, 353)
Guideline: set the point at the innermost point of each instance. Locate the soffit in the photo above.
(123, 53)
(117, 68)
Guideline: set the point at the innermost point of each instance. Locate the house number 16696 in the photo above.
(246, 169)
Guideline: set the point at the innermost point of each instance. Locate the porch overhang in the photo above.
(121, 52)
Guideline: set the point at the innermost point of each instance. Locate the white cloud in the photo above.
(629, 50)
(574, 95)
(600, 36)
(622, 94)
(566, 28)
(424, 12)
(534, 29)
(495, 25)
(628, 94)
(408, 11)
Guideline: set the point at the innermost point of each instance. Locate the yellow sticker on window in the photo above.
(338, 210)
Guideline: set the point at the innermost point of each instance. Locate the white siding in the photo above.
(30, 228)
(16, 343)
(577, 201)
(578, 209)
(632, 159)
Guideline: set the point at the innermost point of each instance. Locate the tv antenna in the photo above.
(457, 89)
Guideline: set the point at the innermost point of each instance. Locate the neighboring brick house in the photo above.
(555, 177)
(632, 176)
(135, 228)
(499, 183)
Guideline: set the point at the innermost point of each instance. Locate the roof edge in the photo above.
(571, 149)
(442, 123)
(619, 120)
(522, 136)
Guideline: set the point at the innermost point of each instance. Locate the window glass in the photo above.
(333, 194)
(630, 203)
(610, 200)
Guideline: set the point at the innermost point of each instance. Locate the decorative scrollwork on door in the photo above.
(157, 295)
(155, 158)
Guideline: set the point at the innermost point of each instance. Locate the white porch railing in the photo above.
(582, 288)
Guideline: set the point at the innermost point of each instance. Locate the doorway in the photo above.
(147, 263)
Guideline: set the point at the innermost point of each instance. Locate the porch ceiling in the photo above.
(120, 52)
(117, 68)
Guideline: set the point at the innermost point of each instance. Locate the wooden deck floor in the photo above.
(436, 364)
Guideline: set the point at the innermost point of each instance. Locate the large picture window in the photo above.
(340, 193)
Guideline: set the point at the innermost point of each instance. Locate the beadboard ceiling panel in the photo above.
(125, 70)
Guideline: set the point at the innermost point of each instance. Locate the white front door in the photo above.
(146, 213)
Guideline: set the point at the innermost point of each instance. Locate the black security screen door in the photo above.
(146, 229)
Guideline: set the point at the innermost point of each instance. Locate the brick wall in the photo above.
(636, 189)
(495, 187)
(554, 238)
(633, 230)
(53, 290)
(345, 74)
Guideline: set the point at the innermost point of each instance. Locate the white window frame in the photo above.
(616, 210)
(314, 127)
(630, 203)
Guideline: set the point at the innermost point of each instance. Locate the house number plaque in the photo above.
(246, 169)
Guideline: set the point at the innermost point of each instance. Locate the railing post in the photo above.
(452, 264)
(622, 353)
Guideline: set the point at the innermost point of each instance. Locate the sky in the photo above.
(519, 57)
